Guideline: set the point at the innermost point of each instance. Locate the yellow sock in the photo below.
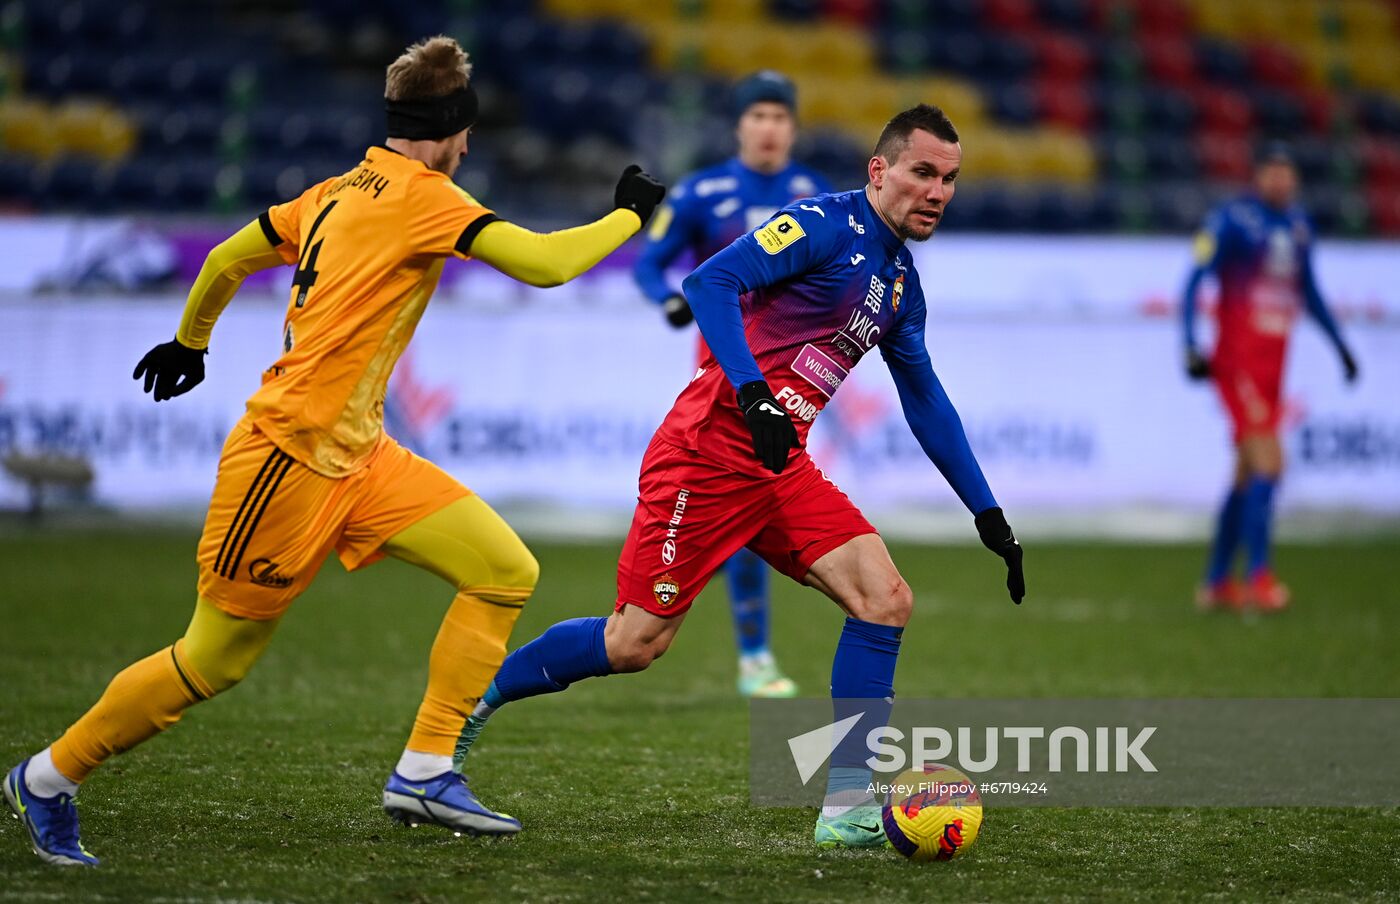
(470, 647)
(144, 699)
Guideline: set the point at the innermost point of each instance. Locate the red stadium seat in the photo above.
(1170, 59)
(1225, 156)
(1324, 109)
(1163, 17)
(1224, 110)
(1062, 56)
(1276, 65)
(1067, 103)
(1013, 16)
(1385, 210)
(852, 12)
(1381, 158)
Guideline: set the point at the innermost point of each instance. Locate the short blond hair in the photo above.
(431, 68)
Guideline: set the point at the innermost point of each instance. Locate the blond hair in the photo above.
(431, 68)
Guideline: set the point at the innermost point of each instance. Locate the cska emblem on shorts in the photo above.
(898, 292)
(666, 590)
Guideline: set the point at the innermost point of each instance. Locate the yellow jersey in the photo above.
(369, 247)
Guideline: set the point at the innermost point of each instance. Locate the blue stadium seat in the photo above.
(1171, 156)
(1379, 113)
(1067, 14)
(1015, 103)
(1168, 109)
(1277, 113)
(1179, 207)
(1221, 61)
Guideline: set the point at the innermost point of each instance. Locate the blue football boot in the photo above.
(52, 822)
(444, 800)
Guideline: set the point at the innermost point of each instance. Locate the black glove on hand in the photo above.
(997, 536)
(678, 312)
(173, 369)
(1349, 367)
(1197, 367)
(638, 192)
(774, 435)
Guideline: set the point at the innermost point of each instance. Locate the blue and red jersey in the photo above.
(712, 207)
(798, 302)
(1262, 258)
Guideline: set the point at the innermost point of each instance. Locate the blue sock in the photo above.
(1229, 527)
(1258, 522)
(567, 652)
(747, 576)
(862, 682)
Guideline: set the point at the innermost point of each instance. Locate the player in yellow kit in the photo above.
(309, 468)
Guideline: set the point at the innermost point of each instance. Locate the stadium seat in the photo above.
(1170, 59)
(1067, 14)
(1276, 65)
(1222, 62)
(1278, 113)
(1063, 56)
(1225, 156)
(1066, 103)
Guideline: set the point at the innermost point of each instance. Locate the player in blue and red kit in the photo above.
(708, 210)
(787, 310)
(1259, 247)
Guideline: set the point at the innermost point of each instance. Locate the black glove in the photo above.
(774, 435)
(997, 536)
(678, 312)
(638, 192)
(1197, 367)
(173, 369)
(1349, 367)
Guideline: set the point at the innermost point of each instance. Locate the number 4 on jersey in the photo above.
(306, 273)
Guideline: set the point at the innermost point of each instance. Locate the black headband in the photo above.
(431, 118)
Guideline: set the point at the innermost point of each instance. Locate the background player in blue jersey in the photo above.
(787, 310)
(1259, 247)
(708, 210)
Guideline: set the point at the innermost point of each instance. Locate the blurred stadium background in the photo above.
(1097, 133)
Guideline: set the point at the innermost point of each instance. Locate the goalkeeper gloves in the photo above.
(774, 435)
(172, 369)
(638, 192)
(1197, 367)
(997, 536)
(677, 310)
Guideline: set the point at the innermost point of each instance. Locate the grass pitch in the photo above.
(635, 787)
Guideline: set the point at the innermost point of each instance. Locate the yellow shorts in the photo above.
(272, 521)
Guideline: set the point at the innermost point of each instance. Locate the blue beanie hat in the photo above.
(765, 85)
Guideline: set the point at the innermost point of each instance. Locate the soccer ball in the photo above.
(932, 813)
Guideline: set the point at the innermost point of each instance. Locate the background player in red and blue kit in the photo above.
(1259, 247)
(708, 210)
(787, 310)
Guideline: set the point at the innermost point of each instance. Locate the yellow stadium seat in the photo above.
(1377, 67)
(1326, 64)
(733, 12)
(734, 52)
(94, 129)
(958, 98)
(823, 101)
(828, 49)
(1366, 17)
(992, 155)
(27, 127)
(1220, 19)
(1059, 156)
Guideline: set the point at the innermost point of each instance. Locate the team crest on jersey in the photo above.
(666, 590)
(780, 233)
(898, 292)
